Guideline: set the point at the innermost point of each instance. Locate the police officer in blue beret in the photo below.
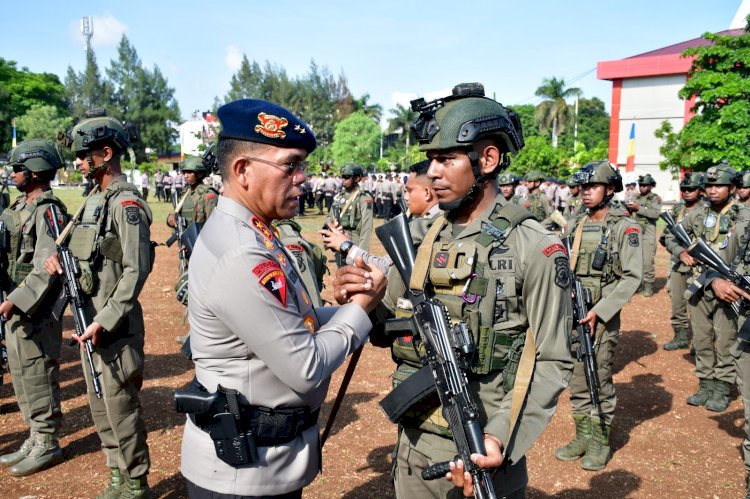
(263, 353)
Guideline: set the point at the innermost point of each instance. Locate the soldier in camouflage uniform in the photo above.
(646, 208)
(714, 324)
(743, 191)
(575, 204)
(515, 287)
(737, 254)
(199, 201)
(110, 237)
(356, 208)
(691, 191)
(536, 202)
(309, 258)
(507, 183)
(603, 227)
(33, 337)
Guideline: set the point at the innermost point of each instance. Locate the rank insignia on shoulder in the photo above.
(282, 258)
(554, 247)
(310, 324)
(261, 227)
(441, 260)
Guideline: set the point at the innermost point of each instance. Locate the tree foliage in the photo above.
(356, 139)
(42, 121)
(401, 122)
(553, 113)
(719, 79)
(86, 90)
(20, 90)
(538, 154)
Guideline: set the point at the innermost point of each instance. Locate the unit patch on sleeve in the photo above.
(633, 239)
(562, 272)
(133, 215)
(275, 283)
(632, 230)
(265, 267)
(554, 247)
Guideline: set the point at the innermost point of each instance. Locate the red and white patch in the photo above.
(554, 247)
(632, 230)
(275, 283)
(271, 126)
(261, 227)
(210, 196)
(295, 248)
(265, 267)
(130, 202)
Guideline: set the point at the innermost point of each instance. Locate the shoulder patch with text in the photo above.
(554, 247)
(632, 230)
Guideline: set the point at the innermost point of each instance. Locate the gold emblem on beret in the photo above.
(271, 126)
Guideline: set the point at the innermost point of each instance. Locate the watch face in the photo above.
(345, 246)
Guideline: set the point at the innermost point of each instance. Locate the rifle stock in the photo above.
(448, 351)
(676, 229)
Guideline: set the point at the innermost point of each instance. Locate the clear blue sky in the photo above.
(392, 50)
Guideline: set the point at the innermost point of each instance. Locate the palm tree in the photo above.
(401, 122)
(554, 112)
(375, 111)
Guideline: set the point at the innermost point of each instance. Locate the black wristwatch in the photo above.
(345, 247)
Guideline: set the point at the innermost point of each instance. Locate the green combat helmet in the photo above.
(722, 174)
(745, 179)
(36, 156)
(506, 179)
(646, 179)
(193, 164)
(353, 169)
(462, 119)
(600, 172)
(694, 180)
(534, 175)
(98, 130)
(572, 182)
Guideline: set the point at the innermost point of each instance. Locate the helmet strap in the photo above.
(480, 179)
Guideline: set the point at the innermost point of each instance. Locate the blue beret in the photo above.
(257, 120)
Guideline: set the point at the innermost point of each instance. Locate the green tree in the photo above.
(553, 112)
(356, 139)
(20, 90)
(526, 114)
(593, 125)
(87, 90)
(375, 111)
(43, 121)
(719, 79)
(401, 122)
(538, 154)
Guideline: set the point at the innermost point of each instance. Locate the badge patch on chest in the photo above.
(709, 221)
(562, 272)
(133, 215)
(441, 260)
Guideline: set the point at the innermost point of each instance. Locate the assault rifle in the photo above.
(701, 251)
(677, 230)
(177, 235)
(448, 352)
(72, 293)
(585, 349)
(4, 271)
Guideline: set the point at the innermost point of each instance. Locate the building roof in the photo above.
(664, 61)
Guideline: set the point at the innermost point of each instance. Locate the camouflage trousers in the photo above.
(677, 284)
(607, 338)
(714, 333)
(34, 363)
(418, 450)
(117, 415)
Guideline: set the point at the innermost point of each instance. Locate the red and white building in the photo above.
(644, 92)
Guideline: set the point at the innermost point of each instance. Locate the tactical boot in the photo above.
(597, 454)
(45, 453)
(679, 341)
(648, 289)
(18, 456)
(135, 487)
(577, 447)
(719, 399)
(704, 391)
(115, 488)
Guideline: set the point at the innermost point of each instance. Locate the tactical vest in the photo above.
(289, 232)
(591, 237)
(350, 212)
(715, 228)
(193, 208)
(536, 206)
(21, 227)
(92, 239)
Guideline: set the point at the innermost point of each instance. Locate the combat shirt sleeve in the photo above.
(273, 328)
(365, 221)
(546, 298)
(670, 242)
(131, 220)
(34, 288)
(653, 211)
(628, 244)
(210, 199)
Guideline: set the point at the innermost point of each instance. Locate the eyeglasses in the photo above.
(346, 177)
(292, 169)
(688, 189)
(19, 168)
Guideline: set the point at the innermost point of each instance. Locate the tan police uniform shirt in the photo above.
(253, 328)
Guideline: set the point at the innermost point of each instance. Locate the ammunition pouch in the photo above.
(415, 405)
(512, 361)
(237, 429)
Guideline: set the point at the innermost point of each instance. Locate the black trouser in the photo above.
(387, 208)
(319, 202)
(145, 193)
(196, 492)
(160, 192)
(329, 201)
(301, 204)
(310, 199)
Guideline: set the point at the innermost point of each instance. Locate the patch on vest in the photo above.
(441, 260)
(562, 272)
(133, 214)
(298, 252)
(633, 240)
(554, 247)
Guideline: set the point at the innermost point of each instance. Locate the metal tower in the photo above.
(87, 30)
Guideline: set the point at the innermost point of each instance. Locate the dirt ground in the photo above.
(663, 447)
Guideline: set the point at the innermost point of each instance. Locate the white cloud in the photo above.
(108, 31)
(233, 57)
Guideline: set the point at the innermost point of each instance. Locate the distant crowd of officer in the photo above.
(265, 346)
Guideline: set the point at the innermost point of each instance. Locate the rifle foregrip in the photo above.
(436, 471)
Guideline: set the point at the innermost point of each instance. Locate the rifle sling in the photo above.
(423, 260)
(64, 234)
(521, 385)
(407, 393)
(575, 250)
